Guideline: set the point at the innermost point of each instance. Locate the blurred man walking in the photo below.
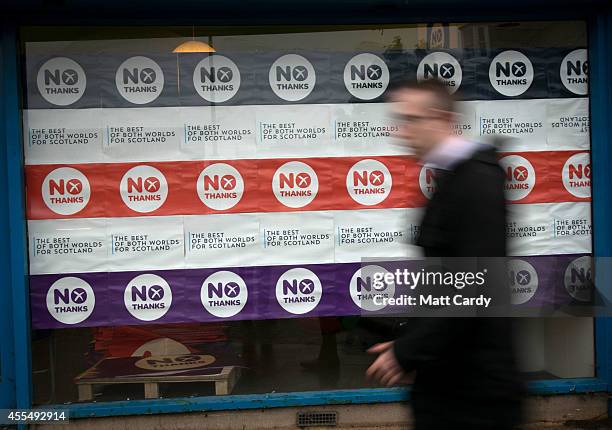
(464, 368)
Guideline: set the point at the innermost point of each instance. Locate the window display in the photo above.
(178, 201)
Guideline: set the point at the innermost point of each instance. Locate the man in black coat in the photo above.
(463, 369)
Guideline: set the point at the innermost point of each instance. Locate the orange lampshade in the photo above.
(193, 46)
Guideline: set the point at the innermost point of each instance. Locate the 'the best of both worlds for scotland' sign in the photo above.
(263, 208)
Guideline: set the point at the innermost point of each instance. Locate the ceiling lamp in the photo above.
(193, 46)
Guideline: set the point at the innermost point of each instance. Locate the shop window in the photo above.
(190, 228)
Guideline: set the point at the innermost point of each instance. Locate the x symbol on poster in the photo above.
(232, 289)
(69, 77)
(377, 177)
(523, 277)
(152, 184)
(225, 74)
(447, 70)
(148, 76)
(78, 295)
(306, 286)
(520, 173)
(156, 292)
(74, 186)
(518, 69)
(228, 182)
(374, 72)
(303, 180)
(300, 73)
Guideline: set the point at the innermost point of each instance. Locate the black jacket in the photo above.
(466, 374)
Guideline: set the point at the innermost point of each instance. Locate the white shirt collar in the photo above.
(449, 152)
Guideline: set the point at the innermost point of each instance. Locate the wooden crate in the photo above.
(224, 381)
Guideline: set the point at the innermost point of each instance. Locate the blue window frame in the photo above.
(15, 363)
(15, 386)
(7, 374)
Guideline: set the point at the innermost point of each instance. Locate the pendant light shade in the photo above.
(193, 46)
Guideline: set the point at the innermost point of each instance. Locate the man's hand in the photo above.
(385, 369)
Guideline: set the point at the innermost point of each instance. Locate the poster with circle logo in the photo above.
(365, 292)
(61, 81)
(574, 72)
(224, 294)
(216, 78)
(441, 66)
(167, 187)
(139, 80)
(147, 297)
(523, 281)
(511, 73)
(292, 77)
(366, 76)
(70, 300)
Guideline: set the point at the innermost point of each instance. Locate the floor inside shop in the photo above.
(270, 354)
(273, 356)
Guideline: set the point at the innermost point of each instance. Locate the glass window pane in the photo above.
(189, 216)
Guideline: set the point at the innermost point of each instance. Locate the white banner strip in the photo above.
(73, 136)
(258, 239)
(549, 229)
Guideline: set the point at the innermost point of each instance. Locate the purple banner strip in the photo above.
(256, 293)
